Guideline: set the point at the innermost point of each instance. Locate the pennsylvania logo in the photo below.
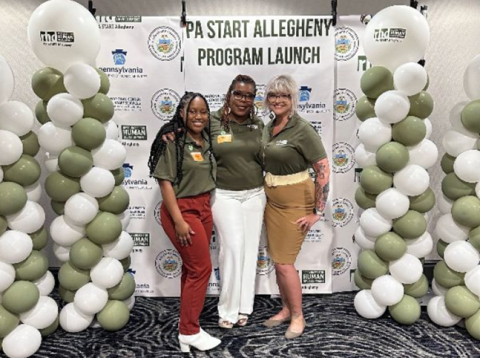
(164, 103)
(343, 157)
(313, 276)
(119, 57)
(346, 43)
(341, 260)
(164, 43)
(342, 212)
(127, 170)
(264, 262)
(304, 104)
(169, 264)
(344, 103)
(390, 34)
(259, 99)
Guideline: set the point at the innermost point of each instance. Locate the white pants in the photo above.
(238, 220)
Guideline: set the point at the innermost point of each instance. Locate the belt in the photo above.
(279, 180)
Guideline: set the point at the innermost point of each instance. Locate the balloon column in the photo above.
(457, 279)
(85, 159)
(395, 153)
(26, 311)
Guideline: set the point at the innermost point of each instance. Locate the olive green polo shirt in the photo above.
(237, 153)
(294, 149)
(197, 178)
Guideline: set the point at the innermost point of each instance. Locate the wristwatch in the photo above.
(317, 212)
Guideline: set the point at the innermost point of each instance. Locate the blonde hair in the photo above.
(283, 84)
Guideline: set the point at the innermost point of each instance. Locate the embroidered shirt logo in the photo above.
(281, 142)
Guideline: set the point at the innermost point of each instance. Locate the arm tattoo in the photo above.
(322, 184)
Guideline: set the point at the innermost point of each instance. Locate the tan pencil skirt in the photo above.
(285, 205)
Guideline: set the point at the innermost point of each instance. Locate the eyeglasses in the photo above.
(249, 97)
(282, 96)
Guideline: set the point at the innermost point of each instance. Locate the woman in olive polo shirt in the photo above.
(185, 170)
(294, 203)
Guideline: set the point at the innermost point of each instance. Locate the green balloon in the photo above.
(392, 157)
(47, 82)
(374, 180)
(25, 171)
(472, 324)
(13, 198)
(441, 246)
(114, 316)
(104, 82)
(471, 116)
(446, 277)
(32, 268)
(474, 237)
(375, 81)
(30, 144)
(41, 112)
(3, 224)
(99, 107)
(407, 311)
(453, 187)
(85, 254)
(461, 301)
(417, 289)
(447, 163)
(8, 321)
(421, 105)
(124, 289)
(466, 211)
(423, 202)
(116, 202)
(370, 265)
(66, 295)
(50, 329)
(365, 108)
(477, 144)
(20, 297)
(126, 262)
(58, 207)
(75, 161)
(71, 277)
(119, 175)
(411, 225)
(390, 246)
(409, 131)
(60, 187)
(104, 229)
(88, 133)
(39, 238)
(362, 282)
(363, 199)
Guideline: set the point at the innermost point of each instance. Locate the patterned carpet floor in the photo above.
(333, 330)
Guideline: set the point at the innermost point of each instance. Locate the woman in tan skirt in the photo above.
(294, 202)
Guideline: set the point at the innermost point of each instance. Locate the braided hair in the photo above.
(224, 120)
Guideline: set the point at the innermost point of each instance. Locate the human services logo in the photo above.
(344, 104)
(164, 103)
(164, 43)
(346, 43)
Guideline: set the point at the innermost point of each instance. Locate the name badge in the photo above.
(197, 156)
(224, 138)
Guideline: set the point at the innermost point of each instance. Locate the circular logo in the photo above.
(164, 103)
(168, 263)
(343, 157)
(342, 212)
(164, 43)
(346, 43)
(264, 262)
(344, 103)
(341, 260)
(156, 213)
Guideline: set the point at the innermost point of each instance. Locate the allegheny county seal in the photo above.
(341, 260)
(344, 103)
(168, 263)
(259, 98)
(343, 157)
(156, 212)
(264, 262)
(164, 43)
(342, 212)
(346, 43)
(164, 103)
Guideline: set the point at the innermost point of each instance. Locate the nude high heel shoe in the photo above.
(289, 334)
(201, 341)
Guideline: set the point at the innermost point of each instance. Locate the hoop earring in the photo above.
(229, 111)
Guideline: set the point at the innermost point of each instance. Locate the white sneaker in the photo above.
(202, 341)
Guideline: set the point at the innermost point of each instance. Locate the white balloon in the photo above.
(107, 273)
(439, 314)
(410, 78)
(54, 139)
(30, 219)
(125, 219)
(111, 155)
(407, 269)
(396, 35)
(449, 230)
(98, 182)
(470, 79)
(373, 133)
(456, 143)
(1, 175)
(456, 120)
(16, 117)
(438, 289)
(42, 315)
(424, 154)
(445, 204)
(392, 106)
(82, 80)
(130, 302)
(81, 208)
(467, 166)
(374, 224)
(64, 232)
(51, 162)
(112, 130)
(363, 157)
(34, 192)
(73, 320)
(387, 291)
(412, 180)
(364, 241)
(90, 299)
(461, 256)
(366, 306)
(7, 275)
(392, 204)
(15, 246)
(472, 280)
(62, 253)
(120, 248)
(421, 246)
(428, 124)
(7, 84)
(64, 110)
(45, 284)
(22, 342)
(12, 147)
(60, 23)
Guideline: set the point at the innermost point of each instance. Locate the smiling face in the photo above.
(241, 100)
(280, 103)
(197, 115)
